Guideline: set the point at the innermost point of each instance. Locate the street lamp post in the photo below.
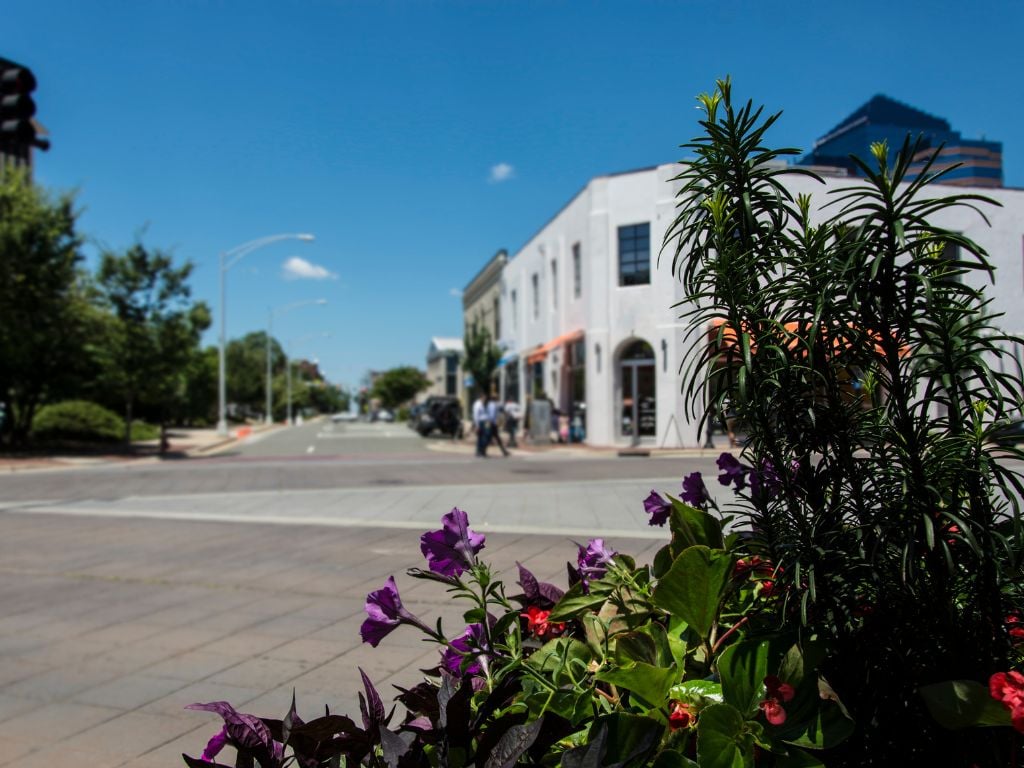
(288, 364)
(228, 259)
(270, 325)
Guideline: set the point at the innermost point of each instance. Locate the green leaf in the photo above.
(694, 689)
(828, 727)
(647, 681)
(692, 526)
(631, 738)
(574, 602)
(721, 740)
(635, 646)
(672, 759)
(556, 656)
(963, 703)
(694, 586)
(743, 667)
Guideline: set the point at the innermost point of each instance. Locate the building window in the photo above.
(535, 279)
(635, 254)
(497, 318)
(554, 284)
(577, 271)
(515, 315)
(451, 375)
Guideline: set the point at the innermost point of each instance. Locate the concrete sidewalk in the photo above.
(110, 627)
(184, 443)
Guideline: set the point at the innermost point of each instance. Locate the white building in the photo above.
(444, 367)
(587, 306)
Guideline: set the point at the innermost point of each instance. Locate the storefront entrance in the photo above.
(638, 417)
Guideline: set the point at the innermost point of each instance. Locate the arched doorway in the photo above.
(638, 417)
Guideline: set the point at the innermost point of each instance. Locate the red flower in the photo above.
(1008, 688)
(537, 623)
(760, 567)
(767, 588)
(681, 715)
(776, 693)
(1015, 626)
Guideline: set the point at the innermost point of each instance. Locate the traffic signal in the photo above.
(17, 128)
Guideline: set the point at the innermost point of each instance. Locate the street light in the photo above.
(270, 325)
(288, 363)
(228, 259)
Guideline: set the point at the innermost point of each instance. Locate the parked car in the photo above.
(346, 416)
(440, 413)
(383, 415)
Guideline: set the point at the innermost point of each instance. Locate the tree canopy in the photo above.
(399, 385)
(481, 358)
(154, 329)
(45, 317)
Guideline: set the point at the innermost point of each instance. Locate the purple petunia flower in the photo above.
(451, 550)
(695, 493)
(593, 561)
(472, 641)
(768, 481)
(657, 508)
(384, 612)
(732, 471)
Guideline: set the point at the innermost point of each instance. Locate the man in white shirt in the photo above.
(481, 423)
(493, 409)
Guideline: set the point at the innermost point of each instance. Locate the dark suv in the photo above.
(441, 413)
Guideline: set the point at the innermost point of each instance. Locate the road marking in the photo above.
(311, 449)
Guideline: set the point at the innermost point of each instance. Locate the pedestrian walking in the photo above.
(493, 415)
(512, 413)
(481, 424)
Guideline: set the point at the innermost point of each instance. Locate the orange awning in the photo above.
(542, 351)
(724, 336)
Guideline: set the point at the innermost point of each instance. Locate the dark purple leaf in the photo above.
(394, 747)
(326, 727)
(528, 582)
(246, 733)
(421, 698)
(550, 592)
(194, 762)
(513, 744)
(419, 724)
(591, 754)
(291, 720)
(371, 707)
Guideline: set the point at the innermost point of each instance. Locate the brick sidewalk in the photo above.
(109, 627)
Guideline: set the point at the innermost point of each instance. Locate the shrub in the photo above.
(143, 431)
(77, 420)
(889, 510)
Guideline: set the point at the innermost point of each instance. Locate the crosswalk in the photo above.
(365, 431)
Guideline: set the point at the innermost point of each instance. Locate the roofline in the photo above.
(572, 199)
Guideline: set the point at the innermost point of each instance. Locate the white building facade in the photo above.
(587, 306)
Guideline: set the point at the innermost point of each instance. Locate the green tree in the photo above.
(399, 385)
(481, 357)
(46, 320)
(155, 329)
(246, 364)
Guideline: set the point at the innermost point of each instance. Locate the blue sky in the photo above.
(415, 138)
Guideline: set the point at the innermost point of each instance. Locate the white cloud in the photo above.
(455, 292)
(300, 269)
(502, 172)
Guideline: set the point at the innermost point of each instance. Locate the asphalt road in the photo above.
(321, 455)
